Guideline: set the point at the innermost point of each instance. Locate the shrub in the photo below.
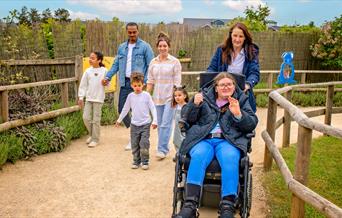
(328, 48)
(72, 125)
(3, 153)
(15, 146)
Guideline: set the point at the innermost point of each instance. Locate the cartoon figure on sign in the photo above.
(287, 69)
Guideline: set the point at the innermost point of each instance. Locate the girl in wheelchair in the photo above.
(218, 119)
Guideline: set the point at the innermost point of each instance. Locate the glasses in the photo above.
(225, 85)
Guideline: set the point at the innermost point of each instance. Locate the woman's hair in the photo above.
(163, 37)
(227, 46)
(137, 77)
(223, 75)
(180, 89)
(99, 56)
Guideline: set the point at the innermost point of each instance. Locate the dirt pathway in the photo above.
(98, 182)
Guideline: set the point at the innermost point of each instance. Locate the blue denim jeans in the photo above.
(228, 157)
(164, 116)
(124, 92)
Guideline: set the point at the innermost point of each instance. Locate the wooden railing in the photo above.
(271, 78)
(296, 184)
(4, 90)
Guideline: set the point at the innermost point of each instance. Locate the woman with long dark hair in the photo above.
(238, 54)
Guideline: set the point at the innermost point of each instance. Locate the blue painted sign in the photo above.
(287, 72)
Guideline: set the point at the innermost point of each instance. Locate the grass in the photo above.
(325, 177)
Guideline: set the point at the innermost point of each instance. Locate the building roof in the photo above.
(199, 22)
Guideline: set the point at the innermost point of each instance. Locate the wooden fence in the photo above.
(296, 184)
(191, 79)
(77, 38)
(5, 124)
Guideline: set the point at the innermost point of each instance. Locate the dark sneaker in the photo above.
(189, 210)
(227, 209)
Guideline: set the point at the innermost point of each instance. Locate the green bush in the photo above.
(109, 114)
(15, 146)
(72, 125)
(3, 153)
(262, 100)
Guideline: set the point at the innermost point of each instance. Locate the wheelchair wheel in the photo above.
(245, 209)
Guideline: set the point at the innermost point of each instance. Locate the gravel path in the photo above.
(98, 182)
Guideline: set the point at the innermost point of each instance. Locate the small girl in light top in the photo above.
(179, 99)
(94, 93)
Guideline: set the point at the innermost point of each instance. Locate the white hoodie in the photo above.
(91, 86)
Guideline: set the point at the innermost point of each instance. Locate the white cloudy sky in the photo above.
(153, 11)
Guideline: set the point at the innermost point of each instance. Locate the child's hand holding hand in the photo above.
(154, 126)
(105, 82)
(117, 124)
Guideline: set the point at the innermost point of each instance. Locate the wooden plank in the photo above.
(36, 118)
(65, 94)
(301, 118)
(58, 61)
(287, 123)
(303, 78)
(328, 105)
(321, 204)
(4, 106)
(302, 168)
(36, 84)
(270, 81)
(270, 128)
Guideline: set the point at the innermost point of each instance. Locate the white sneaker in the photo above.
(144, 166)
(160, 155)
(88, 140)
(128, 146)
(92, 144)
(134, 166)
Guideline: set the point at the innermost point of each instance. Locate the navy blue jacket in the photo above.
(203, 118)
(251, 70)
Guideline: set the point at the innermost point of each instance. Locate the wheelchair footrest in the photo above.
(211, 195)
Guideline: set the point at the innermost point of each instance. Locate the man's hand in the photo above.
(154, 126)
(80, 103)
(105, 82)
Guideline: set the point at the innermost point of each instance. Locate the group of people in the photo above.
(219, 117)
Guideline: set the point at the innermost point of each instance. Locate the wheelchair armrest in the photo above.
(250, 135)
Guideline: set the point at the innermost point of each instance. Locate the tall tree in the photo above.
(12, 17)
(259, 14)
(46, 14)
(62, 15)
(34, 16)
(23, 16)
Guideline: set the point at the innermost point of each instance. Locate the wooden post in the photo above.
(270, 128)
(287, 122)
(78, 72)
(328, 105)
(270, 81)
(65, 94)
(302, 168)
(4, 105)
(303, 78)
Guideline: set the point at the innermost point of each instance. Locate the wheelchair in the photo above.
(211, 189)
